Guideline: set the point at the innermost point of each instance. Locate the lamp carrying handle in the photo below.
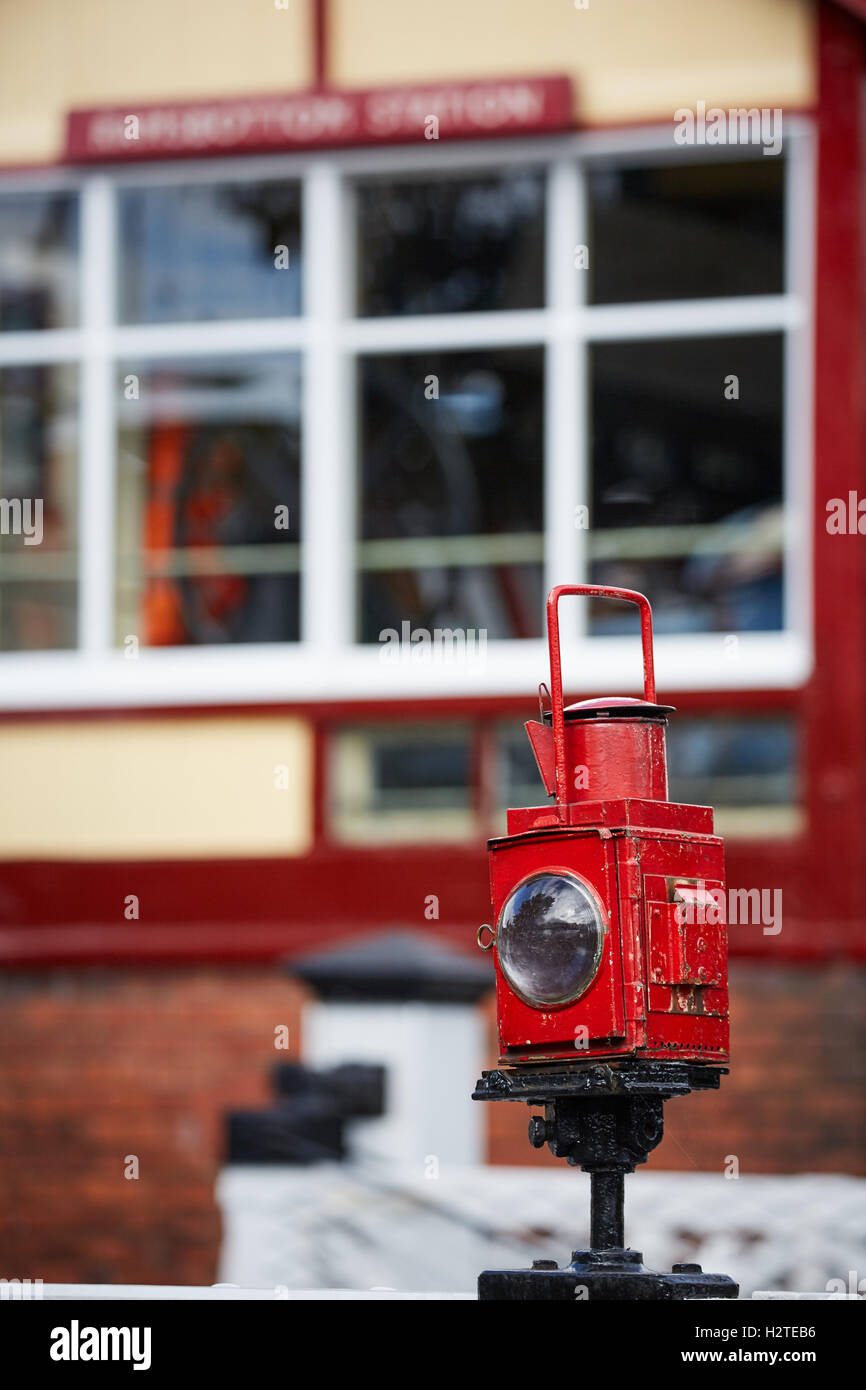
(646, 632)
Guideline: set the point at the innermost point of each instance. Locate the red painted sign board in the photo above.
(320, 120)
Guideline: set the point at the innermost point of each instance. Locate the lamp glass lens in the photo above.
(549, 940)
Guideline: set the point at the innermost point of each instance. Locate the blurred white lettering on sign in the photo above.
(320, 119)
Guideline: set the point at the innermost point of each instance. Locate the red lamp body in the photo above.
(653, 869)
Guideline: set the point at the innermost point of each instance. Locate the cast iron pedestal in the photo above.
(604, 1118)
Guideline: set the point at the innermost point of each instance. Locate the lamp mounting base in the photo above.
(605, 1119)
(602, 1274)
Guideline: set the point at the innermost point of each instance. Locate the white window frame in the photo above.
(327, 663)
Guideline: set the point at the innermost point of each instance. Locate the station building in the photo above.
(329, 326)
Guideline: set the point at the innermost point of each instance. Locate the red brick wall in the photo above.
(97, 1065)
(794, 1099)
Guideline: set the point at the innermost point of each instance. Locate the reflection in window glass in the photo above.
(38, 261)
(451, 246)
(686, 230)
(38, 495)
(687, 485)
(209, 251)
(208, 501)
(451, 492)
(405, 783)
(744, 767)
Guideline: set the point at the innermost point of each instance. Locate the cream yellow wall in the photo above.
(630, 59)
(58, 54)
(202, 787)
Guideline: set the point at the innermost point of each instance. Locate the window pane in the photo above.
(451, 492)
(454, 245)
(210, 251)
(208, 501)
(408, 783)
(686, 231)
(686, 484)
(38, 500)
(519, 781)
(746, 767)
(38, 261)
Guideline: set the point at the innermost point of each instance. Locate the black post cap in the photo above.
(394, 967)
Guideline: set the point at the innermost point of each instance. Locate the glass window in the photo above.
(401, 784)
(518, 779)
(687, 483)
(210, 251)
(745, 767)
(209, 501)
(38, 261)
(450, 246)
(38, 502)
(451, 492)
(462, 441)
(686, 230)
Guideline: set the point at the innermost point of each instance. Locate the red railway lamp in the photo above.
(611, 963)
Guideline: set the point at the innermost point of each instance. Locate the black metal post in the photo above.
(607, 1219)
(606, 1120)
